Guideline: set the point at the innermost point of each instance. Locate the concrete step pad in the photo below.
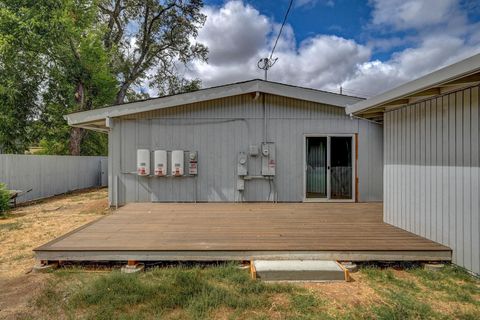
(298, 270)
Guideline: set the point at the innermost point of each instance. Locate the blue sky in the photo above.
(364, 46)
(308, 18)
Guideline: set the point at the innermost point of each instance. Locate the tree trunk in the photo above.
(77, 134)
(122, 93)
(76, 138)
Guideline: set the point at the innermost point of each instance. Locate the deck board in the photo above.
(224, 227)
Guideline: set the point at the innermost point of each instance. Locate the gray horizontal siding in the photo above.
(220, 129)
(432, 172)
(48, 175)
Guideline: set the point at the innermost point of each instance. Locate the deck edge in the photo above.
(82, 255)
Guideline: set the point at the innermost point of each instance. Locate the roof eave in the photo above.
(84, 118)
(439, 78)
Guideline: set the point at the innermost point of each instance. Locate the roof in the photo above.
(453, 77)
(96, 119)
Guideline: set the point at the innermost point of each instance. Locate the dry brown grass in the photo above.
(341, 296)
(31, 225)
(449, 293)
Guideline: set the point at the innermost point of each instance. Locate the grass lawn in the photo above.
(227, 292)
(211, 292)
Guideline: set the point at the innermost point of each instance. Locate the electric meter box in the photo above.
(177, 163)
(160, 163)
(193, 163)
(269, 162)
(143, 162)
(240, 184)
(253, 150)
(242, 164)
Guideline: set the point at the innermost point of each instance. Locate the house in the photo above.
(242, 142)
(253, 141)
(431, 157)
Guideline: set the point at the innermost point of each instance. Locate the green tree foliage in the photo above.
(63, 56)
(4, 198)
(161, 38)
(20, 74)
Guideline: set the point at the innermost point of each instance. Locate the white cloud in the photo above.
(442, 36)
(234, 33)
(319, 62)
(407, 14)
(238, 35)
(375, 76)
(234, 51)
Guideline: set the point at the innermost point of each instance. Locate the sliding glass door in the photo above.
(317, 167)
(341, 171)
(329, 167)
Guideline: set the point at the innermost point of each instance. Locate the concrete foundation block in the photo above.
(433, 266)
(44, 267)
(133, 268)
(350, 266)
(298, 270)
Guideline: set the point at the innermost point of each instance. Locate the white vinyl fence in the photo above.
(50, 175)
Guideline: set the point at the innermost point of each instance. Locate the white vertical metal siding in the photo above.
(218, 130)
(49, 175)
(432, 172)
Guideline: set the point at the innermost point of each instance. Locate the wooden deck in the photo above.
(221, 231)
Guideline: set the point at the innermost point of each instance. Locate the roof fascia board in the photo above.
(211, 94)
(450, 73)
(307, 94)
(153, 104)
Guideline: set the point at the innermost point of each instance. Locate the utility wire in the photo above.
(281, 28)
(267, 63)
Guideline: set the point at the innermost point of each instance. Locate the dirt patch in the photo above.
(16, 295)
(30, 226)
(341, 295)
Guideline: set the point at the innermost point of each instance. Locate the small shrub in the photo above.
(4, 198)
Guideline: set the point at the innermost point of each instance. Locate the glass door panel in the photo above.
(316, 167)
(341, 169)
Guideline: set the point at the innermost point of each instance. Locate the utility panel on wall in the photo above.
(192, 163)
(177, 163)
(268, 159)
(242, 164)
(143, 162)
(160, 162)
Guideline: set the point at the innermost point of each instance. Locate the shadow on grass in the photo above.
(187, 292)
(225, 291)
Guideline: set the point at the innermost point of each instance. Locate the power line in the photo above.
(281, 28)
(267, 63)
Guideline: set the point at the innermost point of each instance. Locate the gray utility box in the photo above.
(253, 150)
(193, 163)
(269, 163)
(242, 164)
(240, 184)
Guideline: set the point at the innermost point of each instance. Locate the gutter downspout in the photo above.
(264, 118)
(264, 108)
